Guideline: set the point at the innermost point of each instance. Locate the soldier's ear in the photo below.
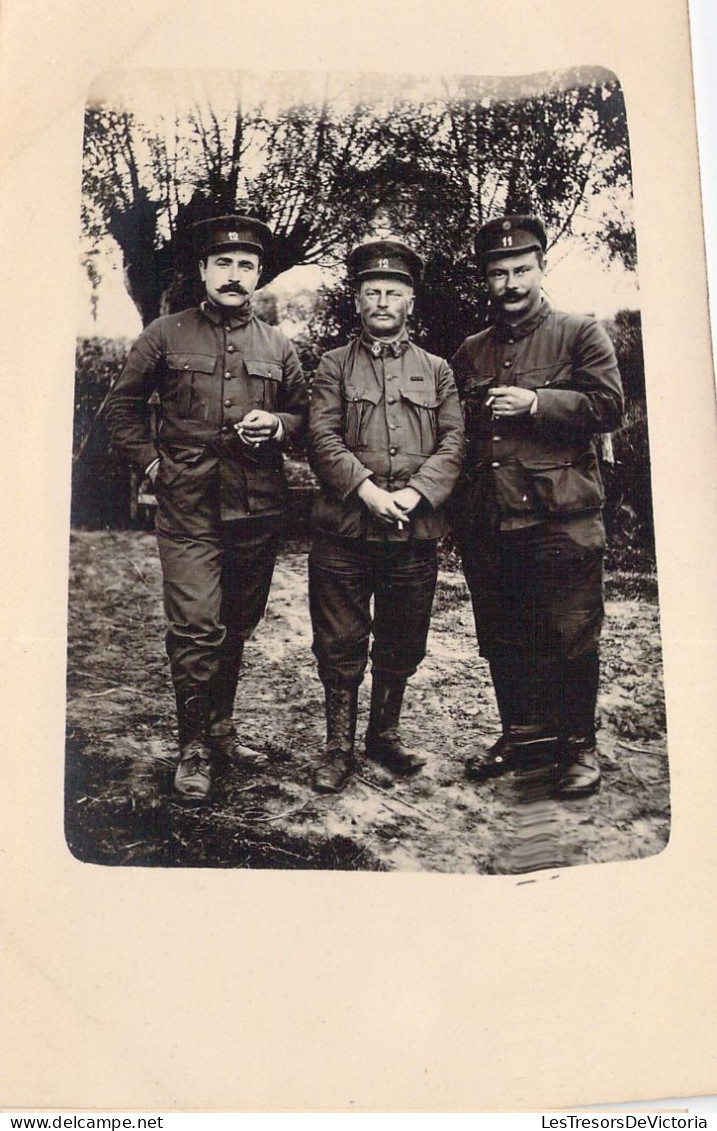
(357, 302)
(202, 269)
(411, 303)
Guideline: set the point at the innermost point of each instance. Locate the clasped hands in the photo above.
(257, 427)
(391, 507)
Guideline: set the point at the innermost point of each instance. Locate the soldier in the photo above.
(537, 386)
(386, 442)
(231, 394)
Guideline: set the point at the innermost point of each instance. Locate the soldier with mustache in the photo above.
(537, 386)
(385, 441)
(231, 394)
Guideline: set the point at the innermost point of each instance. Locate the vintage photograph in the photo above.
(362, 561)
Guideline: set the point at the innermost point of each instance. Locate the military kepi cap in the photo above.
(510, 235)
(222, 233)
(385, 258)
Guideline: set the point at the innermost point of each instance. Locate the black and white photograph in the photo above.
(360, 455)
(362, 562)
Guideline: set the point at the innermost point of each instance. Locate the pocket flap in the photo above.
(476, 386)
(425, 399)
(362, 393)
(182, 453)
(267, 370)
(559, 372)
(192, 362)
(567, 488)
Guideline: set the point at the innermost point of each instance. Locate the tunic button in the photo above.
(392, 427)
(230, 349)
(507, 364)
(497, 437)
(391, 400)
(227, 404)
(495, 464)
(392, 451)
(227, 375)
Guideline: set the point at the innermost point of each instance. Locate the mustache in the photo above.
(511, 296)
(233, 289)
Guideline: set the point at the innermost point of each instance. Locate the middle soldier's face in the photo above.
(230, 277)
(384, 306)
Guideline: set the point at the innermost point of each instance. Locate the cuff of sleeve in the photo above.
(355, 481)
(424, 490)
(534, 406)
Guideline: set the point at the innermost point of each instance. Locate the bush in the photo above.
(101, 491)
(628, 509)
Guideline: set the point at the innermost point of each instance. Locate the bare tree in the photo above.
(320, 172)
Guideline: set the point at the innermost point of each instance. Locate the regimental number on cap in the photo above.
(383, 263)
(507, 241)
(232, 235)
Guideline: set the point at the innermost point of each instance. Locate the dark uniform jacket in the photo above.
(209, 371)
(541, 467)
(394, 419)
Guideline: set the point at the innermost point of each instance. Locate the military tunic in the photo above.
(391, 415)
(219, 501)
(528, 508)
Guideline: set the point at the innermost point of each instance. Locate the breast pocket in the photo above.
(541, 376)
(420, 408)
(359, 405)
(265, 382)
(191, 384)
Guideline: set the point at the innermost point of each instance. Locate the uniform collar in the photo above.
(503, 330)
(377, 348)
(231, 318)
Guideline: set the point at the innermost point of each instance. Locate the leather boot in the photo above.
(383, 740)
(223, 737)
(498, 759)
(579, 774)
(578, 690)
(338, 763)
(523, 747)
(526, 738)
(192, 779)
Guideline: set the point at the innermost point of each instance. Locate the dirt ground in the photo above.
(121, 742)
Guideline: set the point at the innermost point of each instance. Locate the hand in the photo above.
(257, 427)
(407, 499)
(509, 400)
(382, 504)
